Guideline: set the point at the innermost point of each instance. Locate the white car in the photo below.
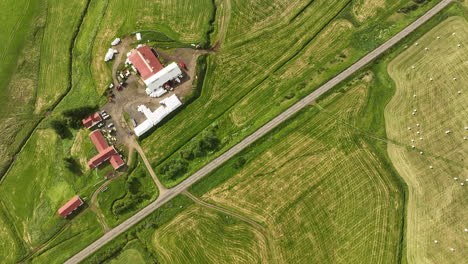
(110, 125)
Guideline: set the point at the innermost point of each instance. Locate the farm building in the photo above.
(151, 70)
(106, 152)
(70, 206)
(91, 120)
(152, 118)
(157, 81)
(145, 62)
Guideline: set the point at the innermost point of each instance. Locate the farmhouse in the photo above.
(106, 152)
(91, 120)
(154, 75)
(152, 118)
(70, 206)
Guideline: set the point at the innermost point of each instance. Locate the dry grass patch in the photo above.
(437, 203)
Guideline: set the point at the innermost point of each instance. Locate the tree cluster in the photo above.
(206, 143)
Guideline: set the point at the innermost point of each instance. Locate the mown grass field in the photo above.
(437, 203)
(38, 182)
(318, 184)
(272, 55)
(202, 235)
(140, 237)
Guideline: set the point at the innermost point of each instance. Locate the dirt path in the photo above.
(228, 212)
(224, 22)
(122, 47)
(94, 204)
(162, 189)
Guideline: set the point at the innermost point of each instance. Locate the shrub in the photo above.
(75, 115)
(60, 128)
(72, 165)
(174, 168)
(239, 163)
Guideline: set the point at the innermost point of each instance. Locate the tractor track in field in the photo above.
(199, 201)
(266, 234)
(269, 126)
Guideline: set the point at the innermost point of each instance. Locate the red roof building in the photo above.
(91, 120)
(145, 62)
(106, 152)
(70, 206)
(98, 140)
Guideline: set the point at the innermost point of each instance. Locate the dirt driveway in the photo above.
(133, 94)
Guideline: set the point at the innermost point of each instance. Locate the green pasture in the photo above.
(42, 185)
(35, 45)
(261, 70)
(184, 20)
(272, 54)
(81, 231)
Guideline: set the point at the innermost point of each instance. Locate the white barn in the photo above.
(153, 118)
(169, 73)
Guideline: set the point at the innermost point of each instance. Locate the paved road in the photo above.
(171, 193)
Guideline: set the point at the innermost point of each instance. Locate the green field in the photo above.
(315, 183)
(268, 60)
(437, 203)
(34, 43)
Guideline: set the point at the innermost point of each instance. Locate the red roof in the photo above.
(98, 140)
(116, 161)
(70, 206)
(101, 157)
(108, 153)
(145, 62)
(91, 120)
(105, 152)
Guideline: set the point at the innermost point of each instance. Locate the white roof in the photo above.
(115, 42)
(170, 72)
(109, 55)
(158, 93)
(167, 106)
(138, 36)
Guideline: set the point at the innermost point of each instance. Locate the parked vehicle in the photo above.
(100, 125)
(110, 125)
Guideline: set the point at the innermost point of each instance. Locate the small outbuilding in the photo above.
(70, 206)
(115, 42)
(91, 120)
